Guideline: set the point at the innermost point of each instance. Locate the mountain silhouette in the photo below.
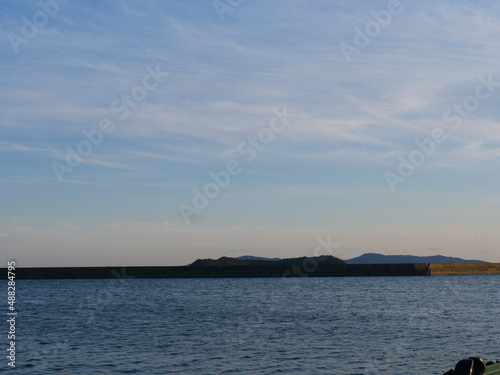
(373, 258)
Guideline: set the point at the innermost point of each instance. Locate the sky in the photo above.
(160, 132)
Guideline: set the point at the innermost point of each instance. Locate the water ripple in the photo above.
(366, 325)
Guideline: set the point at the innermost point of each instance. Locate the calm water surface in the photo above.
(365, 325)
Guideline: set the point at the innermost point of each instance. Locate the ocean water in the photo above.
(346, 325)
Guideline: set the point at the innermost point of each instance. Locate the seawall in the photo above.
(416, 269)
(446, 269)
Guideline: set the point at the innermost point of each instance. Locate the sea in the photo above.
(306, 325)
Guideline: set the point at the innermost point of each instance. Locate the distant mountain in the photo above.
(227, 261)
(372, 258)
(250, 257)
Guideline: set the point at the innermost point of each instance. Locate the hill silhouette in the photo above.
(373, 258)
(247, 261)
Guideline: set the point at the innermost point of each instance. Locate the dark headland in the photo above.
(249, 266)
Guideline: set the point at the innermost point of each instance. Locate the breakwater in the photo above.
(447, 269)
(417, 269)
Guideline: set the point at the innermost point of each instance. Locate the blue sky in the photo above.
(221, 76)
